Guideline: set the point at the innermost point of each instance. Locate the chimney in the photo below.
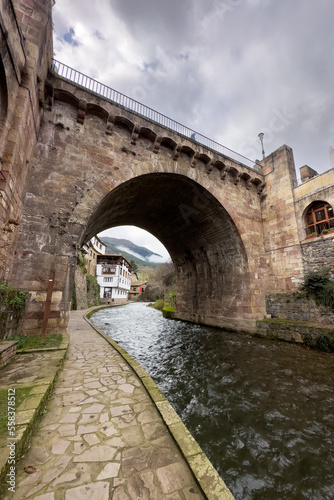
(307, 173)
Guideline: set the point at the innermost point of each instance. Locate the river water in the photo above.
(262, 411)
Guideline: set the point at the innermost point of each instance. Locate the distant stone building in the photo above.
(113, 273)
(85, 291)
(93, 248)
(137, 287)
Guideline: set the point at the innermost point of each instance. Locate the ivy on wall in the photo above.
(93, 291)
(12, 306)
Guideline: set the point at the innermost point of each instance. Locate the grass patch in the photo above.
(26, 343)
(158, 304)
(20, 394)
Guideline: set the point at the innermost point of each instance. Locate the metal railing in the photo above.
(113, 95)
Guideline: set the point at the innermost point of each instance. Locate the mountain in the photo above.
(142, 256)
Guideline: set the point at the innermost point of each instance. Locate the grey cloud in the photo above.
(229, 68)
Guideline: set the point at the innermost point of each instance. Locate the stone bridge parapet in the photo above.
(139, 127)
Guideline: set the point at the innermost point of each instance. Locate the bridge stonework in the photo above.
(232, 231)
(98, 165)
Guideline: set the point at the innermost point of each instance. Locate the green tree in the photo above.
(134, 266)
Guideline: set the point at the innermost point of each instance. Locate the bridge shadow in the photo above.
(204, 244)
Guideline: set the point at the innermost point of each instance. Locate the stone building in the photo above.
(137, 287)
(314, 203)
(85, 292)
(74, 162)
(92, 249)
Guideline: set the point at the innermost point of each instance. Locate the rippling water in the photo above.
(261, 410)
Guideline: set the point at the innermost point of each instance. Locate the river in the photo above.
(261, 410)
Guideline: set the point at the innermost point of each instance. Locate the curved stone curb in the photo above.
(28, 413)
(211, 484)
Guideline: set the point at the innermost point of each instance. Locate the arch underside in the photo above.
(204, 244)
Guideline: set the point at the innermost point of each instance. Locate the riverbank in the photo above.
(260, 409)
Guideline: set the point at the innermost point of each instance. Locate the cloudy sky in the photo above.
(141, 238)
(226, 68)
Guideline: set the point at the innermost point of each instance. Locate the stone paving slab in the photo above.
(31, 369)
(103, 437)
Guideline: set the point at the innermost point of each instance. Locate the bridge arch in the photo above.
(205, 246)
(97, 165)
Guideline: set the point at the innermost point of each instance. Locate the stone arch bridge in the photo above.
(76, 160)
(98, 164)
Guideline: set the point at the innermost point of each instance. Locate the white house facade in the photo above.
(113, 273)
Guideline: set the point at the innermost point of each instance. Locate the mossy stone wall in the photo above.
(12, 308)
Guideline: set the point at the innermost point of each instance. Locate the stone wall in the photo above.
(318, 253)
(282, 247)
(7, 352)
(299, 332)
(87, 290)
(295, 307)
(25, 52)
(80, 289)
(10, 323)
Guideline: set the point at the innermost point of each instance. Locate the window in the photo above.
(319, 216)
(108, 270)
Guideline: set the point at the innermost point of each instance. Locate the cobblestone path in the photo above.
(102, 437)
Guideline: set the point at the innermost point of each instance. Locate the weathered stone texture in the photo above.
(299, 332)
(210, 222)
(319, 253)
(293, 307)
(282, 247)
(24, 63)
(81, 290)
(7, 352)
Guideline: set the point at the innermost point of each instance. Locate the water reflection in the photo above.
(261, 410)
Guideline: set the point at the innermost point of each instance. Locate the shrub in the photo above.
(12, 306)
(82, 263)
(159, 304)
(314, 282)
(319, 286)
(12, 299)
(327, 295)
(325, 343)
(93, 290)
(308, 340)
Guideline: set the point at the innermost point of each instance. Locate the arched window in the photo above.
(319, 217)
